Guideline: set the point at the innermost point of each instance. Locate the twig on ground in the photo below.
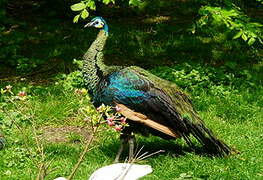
(86, 149)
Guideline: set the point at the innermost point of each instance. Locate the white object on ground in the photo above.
(61, 178)
(121, 171)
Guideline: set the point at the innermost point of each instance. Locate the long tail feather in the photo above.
(212, 144)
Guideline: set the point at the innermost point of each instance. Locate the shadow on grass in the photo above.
(151, 145)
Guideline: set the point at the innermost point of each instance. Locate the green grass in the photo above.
(233, 112)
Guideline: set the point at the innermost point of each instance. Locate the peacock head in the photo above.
(98, 22)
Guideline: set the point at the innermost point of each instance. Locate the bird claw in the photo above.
(124, 140)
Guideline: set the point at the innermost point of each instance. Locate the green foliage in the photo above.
(230, 93)
(230, 3)
(4, 19)
(49, 44)
(82, 8)
(217, 81)
(11, 42)
(85, 6)
(233, 19)
(45, 47)
(72, 80)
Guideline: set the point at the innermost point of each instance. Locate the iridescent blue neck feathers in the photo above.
(106, 29)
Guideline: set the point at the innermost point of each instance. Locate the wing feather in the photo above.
(143, 96)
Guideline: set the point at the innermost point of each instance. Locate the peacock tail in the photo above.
(153, 105)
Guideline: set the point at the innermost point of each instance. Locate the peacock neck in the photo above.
(93, 66)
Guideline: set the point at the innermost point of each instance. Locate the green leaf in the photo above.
(238, 35)
(108, 1)
(76, 18)
(84, 14)
(251, 41)
(231, 64)
(91, 5)
(244, 37)
(78, 7)
(134, 2)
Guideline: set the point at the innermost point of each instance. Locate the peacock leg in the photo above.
(124, 141)
(131, 147)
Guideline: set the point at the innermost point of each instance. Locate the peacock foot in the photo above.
(126, 139)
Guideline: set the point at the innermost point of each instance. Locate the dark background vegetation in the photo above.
(35, 34)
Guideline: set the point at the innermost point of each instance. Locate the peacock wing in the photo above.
(180, 100)
(144, 94)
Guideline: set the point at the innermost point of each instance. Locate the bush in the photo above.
(197, 78)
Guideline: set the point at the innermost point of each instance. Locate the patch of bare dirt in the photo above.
(68, 134)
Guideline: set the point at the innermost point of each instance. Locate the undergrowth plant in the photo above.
(18, 112)
(218, 81)
(233, 21)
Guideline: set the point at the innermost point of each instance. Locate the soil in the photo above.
(65, 134)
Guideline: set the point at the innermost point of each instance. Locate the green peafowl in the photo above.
(152, 105)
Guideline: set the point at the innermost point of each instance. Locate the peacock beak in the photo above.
(88, 25)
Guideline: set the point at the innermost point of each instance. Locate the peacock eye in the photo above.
(96, 22)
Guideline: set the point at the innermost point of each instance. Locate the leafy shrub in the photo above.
(236, 22)
(197, 78)
(72, 80)
(84, 6)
